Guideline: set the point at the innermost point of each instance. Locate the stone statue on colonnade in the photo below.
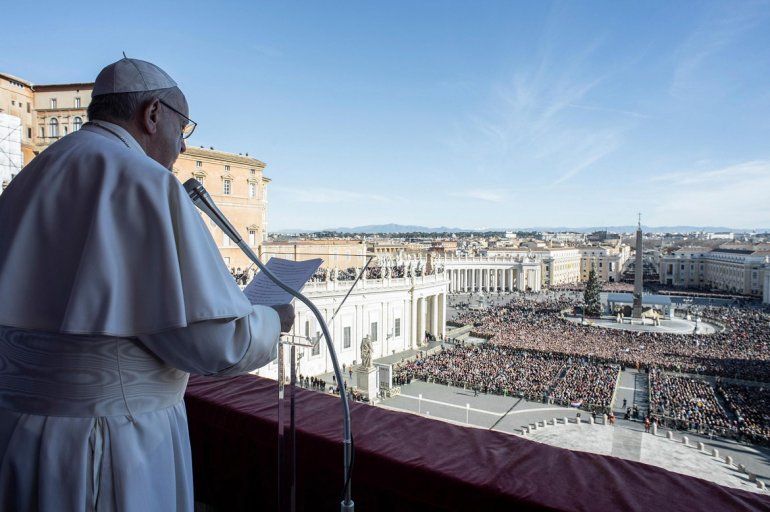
(366, 352)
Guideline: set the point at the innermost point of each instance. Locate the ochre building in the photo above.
(236, 182)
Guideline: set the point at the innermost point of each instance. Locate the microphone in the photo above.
(201, 198)
(203, 201)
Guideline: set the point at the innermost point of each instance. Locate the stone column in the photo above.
(383, 334)
(434, 315)
(442, 315)
(420, 321)
(412, 341)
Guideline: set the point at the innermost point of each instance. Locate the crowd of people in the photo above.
(488, 369)
(373, 272)
(751, 407)
(534, 323)
(606, 287)
(241, 276)
(740, 348)
(687, 403)
(587, 385)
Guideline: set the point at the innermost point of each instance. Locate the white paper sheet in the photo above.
(262, 290)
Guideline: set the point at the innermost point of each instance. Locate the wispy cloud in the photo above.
(594, 150)
(329, 195)
(630, 113)
(529, 131)
(732, 195)
(489, 195)
(718, 29)
(741, 171)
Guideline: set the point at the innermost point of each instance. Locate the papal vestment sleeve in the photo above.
(220, 347)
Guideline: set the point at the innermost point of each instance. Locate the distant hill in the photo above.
(401, 228)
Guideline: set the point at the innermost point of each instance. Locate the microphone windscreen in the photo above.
(191, 185)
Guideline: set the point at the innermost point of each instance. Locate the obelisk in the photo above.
(638, 273)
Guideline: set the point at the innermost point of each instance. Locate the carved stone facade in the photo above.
(395, 313)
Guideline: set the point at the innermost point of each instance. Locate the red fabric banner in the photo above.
(404, 462)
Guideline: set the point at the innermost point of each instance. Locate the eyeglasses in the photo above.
(189, 128)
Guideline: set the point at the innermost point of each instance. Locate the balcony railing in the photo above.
(405, 462)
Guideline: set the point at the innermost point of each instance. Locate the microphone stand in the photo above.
(203, 201)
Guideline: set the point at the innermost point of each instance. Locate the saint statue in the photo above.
(366, 352)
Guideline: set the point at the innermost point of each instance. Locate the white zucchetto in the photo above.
(131, 75)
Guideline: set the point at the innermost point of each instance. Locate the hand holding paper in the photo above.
(262, 290)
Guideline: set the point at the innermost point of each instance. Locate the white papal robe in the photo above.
(111, 292)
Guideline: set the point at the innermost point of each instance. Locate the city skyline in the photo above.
(452, 114)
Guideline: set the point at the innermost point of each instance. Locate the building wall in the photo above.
(561, 266)
(766, 288)
(10, 149)
(416, 304)
(607, 261)
(17, 100)
(741, 272)
(238, 186)
(53, 122)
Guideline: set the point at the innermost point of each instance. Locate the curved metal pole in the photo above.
(347, 504)
(203, 201)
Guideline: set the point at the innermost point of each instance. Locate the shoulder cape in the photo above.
(99, 239)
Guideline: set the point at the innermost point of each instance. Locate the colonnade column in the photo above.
(420, 321)
(413, 323)
(434, 315)
(442, 315)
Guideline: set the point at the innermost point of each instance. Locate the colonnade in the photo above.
(484, 279)
(429, 314)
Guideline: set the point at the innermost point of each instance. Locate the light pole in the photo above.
(389, 336)
(419, 404)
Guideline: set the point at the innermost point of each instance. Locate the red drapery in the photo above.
(408, 463)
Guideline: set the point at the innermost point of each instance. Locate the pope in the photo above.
(112, 291)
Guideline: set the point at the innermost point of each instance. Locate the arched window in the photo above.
(76, 124)
(54, 125)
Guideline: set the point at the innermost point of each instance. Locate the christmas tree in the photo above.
(593, 303)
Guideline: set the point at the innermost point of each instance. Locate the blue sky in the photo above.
(470, 114)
